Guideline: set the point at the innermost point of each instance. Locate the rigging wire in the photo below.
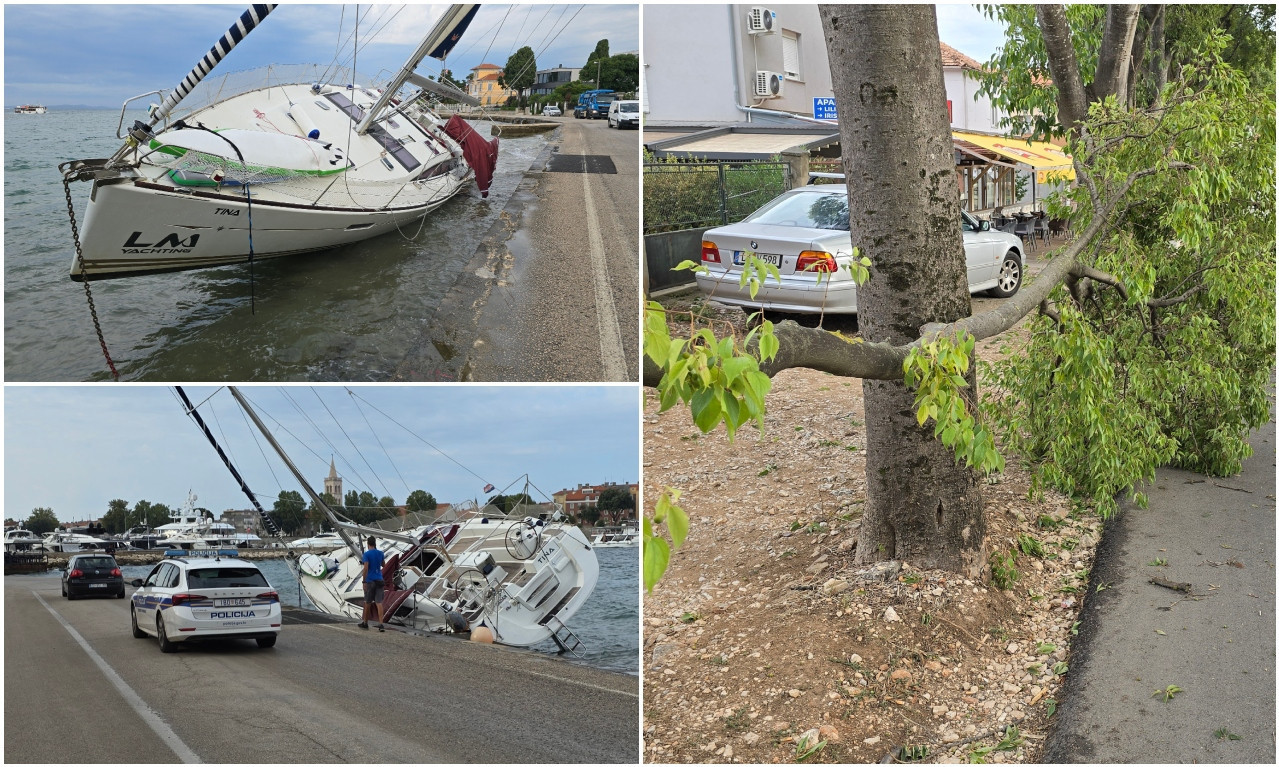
(358, 452)
(379, 444)
(419, 438)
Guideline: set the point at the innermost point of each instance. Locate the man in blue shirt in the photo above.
(373, 585)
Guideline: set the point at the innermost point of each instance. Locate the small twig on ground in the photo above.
(1174, 585)
(1228, 487)
(960, 629)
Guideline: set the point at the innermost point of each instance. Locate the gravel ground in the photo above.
(763, 636)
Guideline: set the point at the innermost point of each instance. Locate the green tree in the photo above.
(506, 503)
(420, 500)
(620, 73)
(590, 515)
(617, 503)
(1155, 336)
(318, 520)
(41, 521)
(289, 511)
(595, 63)
(116, 520)
(520, 71)
(147, 514)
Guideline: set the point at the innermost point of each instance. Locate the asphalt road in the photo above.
(1136, 637)
(552, 293)
(325, 693)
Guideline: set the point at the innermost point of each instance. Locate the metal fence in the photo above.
(693, 195)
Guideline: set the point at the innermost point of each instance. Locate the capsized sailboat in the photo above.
(523, 575)
(271, 168)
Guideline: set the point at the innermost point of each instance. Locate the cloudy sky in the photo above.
(113, 52)
(74, 448)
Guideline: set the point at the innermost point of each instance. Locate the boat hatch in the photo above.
(390, 143)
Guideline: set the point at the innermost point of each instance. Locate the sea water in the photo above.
(350, 313)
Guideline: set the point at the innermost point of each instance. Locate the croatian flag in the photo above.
(488, 489)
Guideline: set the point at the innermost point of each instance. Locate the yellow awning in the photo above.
(1049, 162)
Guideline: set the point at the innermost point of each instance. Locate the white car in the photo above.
(188, 599)
(552, 111)
(623, 114)
(804, 232)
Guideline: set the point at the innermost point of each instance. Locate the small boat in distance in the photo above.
(319, 541)
(21, 539)
(273, 166)
(624, 537)
(30, 109)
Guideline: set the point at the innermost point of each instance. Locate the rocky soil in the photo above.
(764, 643)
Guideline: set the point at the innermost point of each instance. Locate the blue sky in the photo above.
(74, 448)
(113, 52)
(968, 31)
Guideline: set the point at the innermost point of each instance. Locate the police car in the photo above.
(192, 598)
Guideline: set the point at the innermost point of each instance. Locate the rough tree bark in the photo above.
(1116, 46)
(903, 210)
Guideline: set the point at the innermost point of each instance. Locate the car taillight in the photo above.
(710, 252)
(272, 595)
(181, 599)
(76, 573)
(815, 261)
(115, 571)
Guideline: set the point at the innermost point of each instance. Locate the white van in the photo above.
(624, 114)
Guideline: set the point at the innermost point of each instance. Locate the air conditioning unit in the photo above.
(761, 21)
(769, 85)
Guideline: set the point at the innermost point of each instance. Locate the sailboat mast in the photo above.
(319, 502)
(437, 44)
(247, 22)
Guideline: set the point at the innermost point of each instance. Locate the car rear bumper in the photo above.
(89, 589)
(801, 295)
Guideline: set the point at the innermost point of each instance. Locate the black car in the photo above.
(92, 575)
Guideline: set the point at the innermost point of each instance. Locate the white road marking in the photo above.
(611, 351)
(134, 700)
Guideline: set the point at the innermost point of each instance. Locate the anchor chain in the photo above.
(88, 293)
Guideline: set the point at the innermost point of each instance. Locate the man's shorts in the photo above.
(373, 591)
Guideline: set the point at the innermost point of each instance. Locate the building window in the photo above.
(790, 55)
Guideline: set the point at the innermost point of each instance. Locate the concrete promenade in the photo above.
(1216, 644)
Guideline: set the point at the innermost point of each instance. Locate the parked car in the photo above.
(90, 575)
(624, 114)
(552, 111)
(189, 599)
(804, 232)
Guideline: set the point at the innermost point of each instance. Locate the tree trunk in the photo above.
(1115, 54)
(1072, 100)
(903, 204)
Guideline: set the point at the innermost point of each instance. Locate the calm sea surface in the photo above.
(608, 624)
(349, 313)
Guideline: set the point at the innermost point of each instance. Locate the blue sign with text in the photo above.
(824, 108)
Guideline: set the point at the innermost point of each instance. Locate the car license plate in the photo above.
(238, 602)
(97, 585)
(739, 257)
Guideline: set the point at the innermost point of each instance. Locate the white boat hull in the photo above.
(138, 227)
(192, 198)
(521, 601)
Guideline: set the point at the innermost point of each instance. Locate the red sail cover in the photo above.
(480, 154)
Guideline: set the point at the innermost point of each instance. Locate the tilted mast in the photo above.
(437, 44)
(319, 502)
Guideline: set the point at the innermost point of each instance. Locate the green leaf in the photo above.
(657, 555)
(677, 522)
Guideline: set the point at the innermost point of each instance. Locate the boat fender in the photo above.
(482, 634)
(456, 622)
(304, 121)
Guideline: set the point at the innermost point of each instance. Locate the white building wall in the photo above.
(688, 75)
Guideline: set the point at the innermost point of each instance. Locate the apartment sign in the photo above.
(824, 108)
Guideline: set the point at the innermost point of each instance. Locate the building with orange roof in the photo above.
(483, 84)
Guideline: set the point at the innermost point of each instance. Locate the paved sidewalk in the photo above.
(1136, 637)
